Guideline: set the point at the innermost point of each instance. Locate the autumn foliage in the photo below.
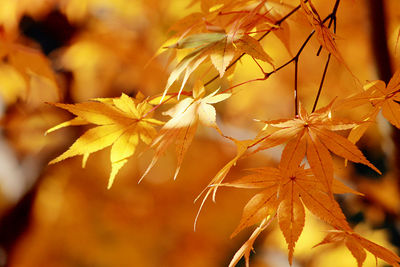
(318, 136)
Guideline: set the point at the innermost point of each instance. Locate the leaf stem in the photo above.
(259, 66)
(242, 83)
(267, 74)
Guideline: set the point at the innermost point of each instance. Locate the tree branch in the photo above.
(277, 23)
(384, 69)
(321, 83)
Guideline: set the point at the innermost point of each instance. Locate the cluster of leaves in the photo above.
(218, 37)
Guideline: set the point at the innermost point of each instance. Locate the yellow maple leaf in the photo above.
(121, 122)
(225, 38)
(182, 127)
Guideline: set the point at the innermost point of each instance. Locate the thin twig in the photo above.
(242, 83)
(277, 23)
(259, 66)
(321, 83)
(267, 74)
(332, 19)
(296, 100)
(296, 57)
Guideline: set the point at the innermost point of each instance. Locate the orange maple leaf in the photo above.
(313, 135)
(325, 36)
(357, 246)
(381, 97)
(284, 195)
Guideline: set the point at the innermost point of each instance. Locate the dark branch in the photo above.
(277, 23)
(321, 83)
(332, 19)
(379, 40)
(295, 58)
(296, 100)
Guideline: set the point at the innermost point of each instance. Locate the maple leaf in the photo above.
(313, 135)
(181, 128)
(325, 37)
(221, 43)
(252, 47)
(219, 48)
(357, 246)
(283, 195)
(380, 97)
(387, 98)
(121, 123)
(358, 131)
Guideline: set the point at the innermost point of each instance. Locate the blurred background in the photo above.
(74, 50)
